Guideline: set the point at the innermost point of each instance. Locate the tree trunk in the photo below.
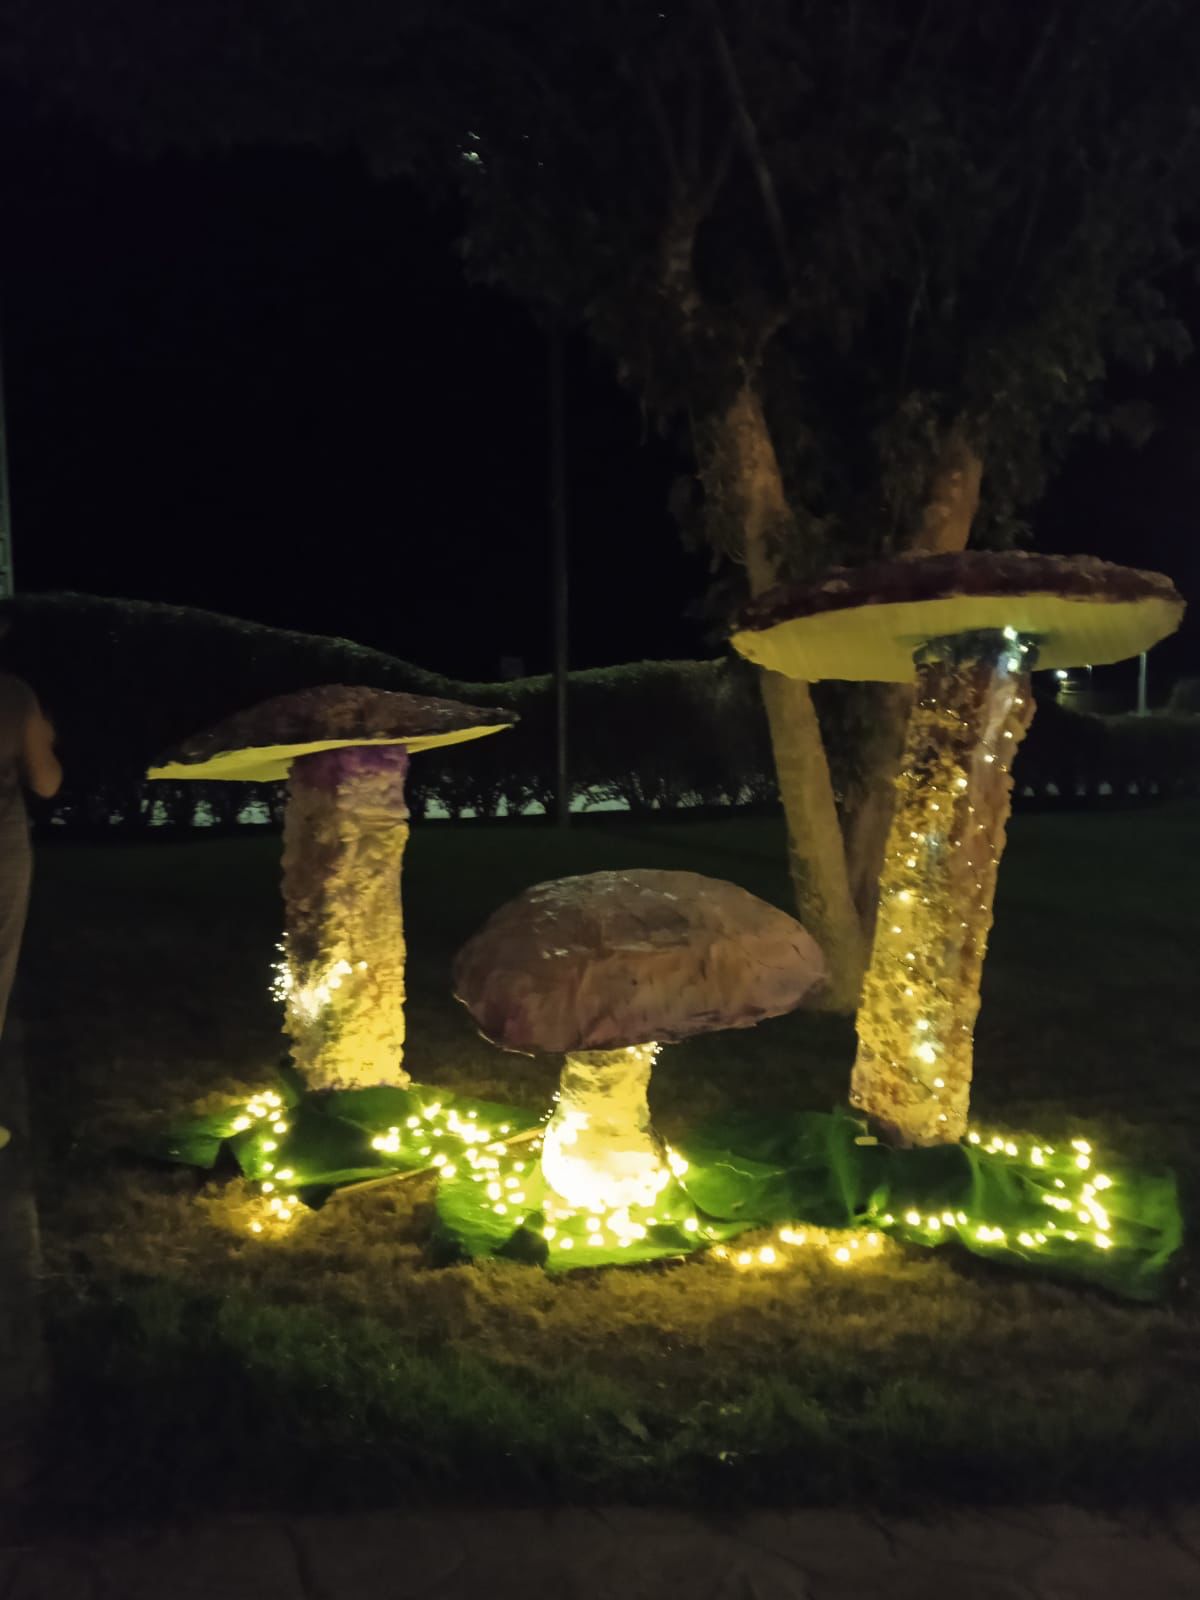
(743, 478)
(867, 815)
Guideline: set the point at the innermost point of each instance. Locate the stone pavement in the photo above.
(1056, 1553)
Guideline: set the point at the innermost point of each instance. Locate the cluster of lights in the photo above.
(921, 995)
(480, 1147)
(308, 1000)
(438, 1137)
(840, 1249)
(266, 1114)
(622, 1226)
(1091, 1223)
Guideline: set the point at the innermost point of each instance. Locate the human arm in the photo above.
(40, 767)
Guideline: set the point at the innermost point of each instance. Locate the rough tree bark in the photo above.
(745, 480)
(945, 526)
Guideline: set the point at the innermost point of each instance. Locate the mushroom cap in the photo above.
(260, 744)
(619, 958)
(866, 622)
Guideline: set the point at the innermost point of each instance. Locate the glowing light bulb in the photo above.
(913, 1218)
(690, 1225)
(841, 1253)
(767, 1256)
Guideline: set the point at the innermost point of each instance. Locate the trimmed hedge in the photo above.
(124, 680)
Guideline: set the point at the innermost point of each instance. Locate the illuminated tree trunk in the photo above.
(599, 1150)
(920, 999)
(345, 829)
(744, 477)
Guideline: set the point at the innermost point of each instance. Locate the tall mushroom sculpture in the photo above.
(604, 969)
(966, 629)
(345, 752)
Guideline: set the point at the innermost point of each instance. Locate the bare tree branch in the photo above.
(662, 126)
(751, 144)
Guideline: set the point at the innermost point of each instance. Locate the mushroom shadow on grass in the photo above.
(604, 969)
(345, 752)
(966, 629)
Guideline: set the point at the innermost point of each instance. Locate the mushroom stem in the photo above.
(599, 1150)
(344, 833)
(920, 999)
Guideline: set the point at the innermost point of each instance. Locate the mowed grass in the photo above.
(199, 1367)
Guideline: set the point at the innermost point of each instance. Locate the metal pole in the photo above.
(1141, 700)
(556, 395)
(6, 561)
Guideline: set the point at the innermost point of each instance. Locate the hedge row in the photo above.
(124, 680)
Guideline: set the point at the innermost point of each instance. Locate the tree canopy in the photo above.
(910, 220)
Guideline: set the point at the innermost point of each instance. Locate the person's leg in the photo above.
(15, 869)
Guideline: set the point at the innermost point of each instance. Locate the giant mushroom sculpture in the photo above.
(604, 969)
(345, 752)
(966, 629)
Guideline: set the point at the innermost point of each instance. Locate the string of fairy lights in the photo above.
(452, 1145)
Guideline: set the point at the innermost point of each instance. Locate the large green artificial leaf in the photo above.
(1052, 1210)
(1049, 1210)
(310, 1144)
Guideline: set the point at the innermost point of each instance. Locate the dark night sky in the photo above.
(259, 383)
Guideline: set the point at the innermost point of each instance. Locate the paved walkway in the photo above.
(1049, 1554)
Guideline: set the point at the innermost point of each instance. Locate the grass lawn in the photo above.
(200, 1367)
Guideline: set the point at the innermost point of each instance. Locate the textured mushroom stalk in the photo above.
(599, 1150)
(344, 834)
(920, 999)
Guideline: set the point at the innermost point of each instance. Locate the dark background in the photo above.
(259, 383)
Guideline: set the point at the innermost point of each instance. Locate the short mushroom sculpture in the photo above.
(966, 629)
(345, 752)
(604, 969)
